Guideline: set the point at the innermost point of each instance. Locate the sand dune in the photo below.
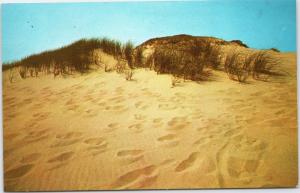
(99, 131)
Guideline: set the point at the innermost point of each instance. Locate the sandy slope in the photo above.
(99, 131)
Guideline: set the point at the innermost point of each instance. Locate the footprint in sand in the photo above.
(230, 132)
(65, 143)
(167, 162)
(119, 90)
(187, 163)
(91, 112)
(30, 158)
(157, 122)
(38, 135)
(249, 144)
(136, 128)
(197, 115)
(130, 156)
(138, 104)
(24, 102)
(129, 152)
(69, 135)
(112, 127)
(169, 140)
(70, 102)
(118, 108)
(117, 99)
(178, 123)
(11, 136)
(67, 139)
(201, 141)
(137, 176)
(96, 145)
(10, 100)
(207, 165)
(167, 106)
(167, 137)
(236, 166)
(140, 117)
(95, 141)
(41, 116)
(78, 86)
(242, 157)
(62, 157)
(141, 105)
(18, 172)
(73, 107)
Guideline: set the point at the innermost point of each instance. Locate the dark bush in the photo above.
(275, 50)
(239, 42)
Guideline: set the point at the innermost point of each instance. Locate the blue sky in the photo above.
(32, 28)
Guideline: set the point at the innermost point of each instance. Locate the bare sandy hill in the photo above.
(99, 131)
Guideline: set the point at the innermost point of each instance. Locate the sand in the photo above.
(99, 131)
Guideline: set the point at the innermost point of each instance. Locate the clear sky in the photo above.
(32, 28)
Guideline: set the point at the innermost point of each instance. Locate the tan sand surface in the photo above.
(99, 131)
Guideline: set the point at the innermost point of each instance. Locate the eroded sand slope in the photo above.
(99, 131)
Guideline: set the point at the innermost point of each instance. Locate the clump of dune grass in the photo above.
(236, 68)
(128, 74)
(260, 65)
(213, 56)
(121, 66)
(179, 63)
(128, 53)
(264, 65)
(175, 80)
(22, 72)
(138, 58)
(76, 57)
(11, 75)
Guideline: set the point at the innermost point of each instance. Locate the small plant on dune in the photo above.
(128, 74)
(56, 71)
(258, 64)
(178, 62)
(175, 80)
(212, 55)
(22, 72)
(263, 65)
(36, 70)
(150, 62)
(138, 59)
(128, 53)
(236, 68)
(275, 50)
(31, 72)
(11, 75)
(107, 68)
(120, 66)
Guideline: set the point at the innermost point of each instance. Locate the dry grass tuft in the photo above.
(128, 74)
(259, 64)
